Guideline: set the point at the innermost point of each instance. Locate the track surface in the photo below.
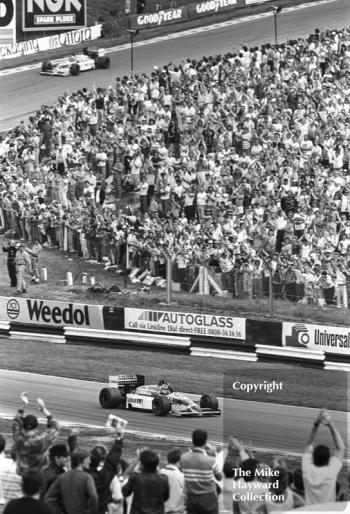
(269, 426)
(23, 93)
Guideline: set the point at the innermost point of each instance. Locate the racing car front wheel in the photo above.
(209, 401)
(74, 69)
(161, 406)
(110, 398)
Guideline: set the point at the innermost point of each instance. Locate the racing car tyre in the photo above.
(110, 398)
(161, 406)
(46, 66)
(74, 69)
(209, 401)
(102, 62)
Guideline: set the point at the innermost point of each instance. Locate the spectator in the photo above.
(176, 502)
(320, 469)
(200, 472)
(11, 251)
(150, 489)
(29, 503)
(30, 444)
(22, 261)
(59, 457)
(74, 491)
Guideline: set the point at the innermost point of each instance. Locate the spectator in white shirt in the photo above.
(176, 502)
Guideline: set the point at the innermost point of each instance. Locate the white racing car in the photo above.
(90, 59)
(130, 392)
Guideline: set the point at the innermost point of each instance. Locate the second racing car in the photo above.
(131, 392)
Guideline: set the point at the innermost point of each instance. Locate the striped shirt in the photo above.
(200, 472)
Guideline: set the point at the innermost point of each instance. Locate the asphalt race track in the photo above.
(22, 93)
(266, 425)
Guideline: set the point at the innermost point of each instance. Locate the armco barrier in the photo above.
(123, 339)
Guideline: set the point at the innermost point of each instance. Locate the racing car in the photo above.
(90, 59)
(131, 392)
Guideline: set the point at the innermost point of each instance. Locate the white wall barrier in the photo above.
(43, 44)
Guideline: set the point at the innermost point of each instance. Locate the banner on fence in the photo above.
(43, 44)
(43, 15)
(317, 337)
(184, 323)
(156, 19)
(208, 7)
(7, 22)
(48, 312)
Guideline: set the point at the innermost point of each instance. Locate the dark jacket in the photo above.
(150, 490)
(104, 476)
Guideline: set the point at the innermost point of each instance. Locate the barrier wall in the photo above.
(208, 335)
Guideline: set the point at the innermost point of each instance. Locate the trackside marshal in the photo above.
(185, 323)
(48, 312)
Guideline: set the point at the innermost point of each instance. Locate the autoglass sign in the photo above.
(47, 312)
(185, 323)
(53, 14)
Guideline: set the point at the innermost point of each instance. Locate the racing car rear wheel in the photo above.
(209, 401)
(102, 62)
(161, 406)
(46, 66)
(74, 69)
(110, 398)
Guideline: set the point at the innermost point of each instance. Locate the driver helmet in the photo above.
(165, 388)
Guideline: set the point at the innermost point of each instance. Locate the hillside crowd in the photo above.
(45, 474)
(239, 162)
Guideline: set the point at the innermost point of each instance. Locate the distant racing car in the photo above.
(130, 392)
(90, 59)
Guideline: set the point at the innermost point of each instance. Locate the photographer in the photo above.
(320, 469)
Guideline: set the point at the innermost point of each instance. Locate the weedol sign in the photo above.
(53, 14)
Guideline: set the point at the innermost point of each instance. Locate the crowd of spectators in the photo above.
(239, 162)
(45, 476)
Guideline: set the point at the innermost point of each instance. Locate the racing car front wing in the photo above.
(193, 413)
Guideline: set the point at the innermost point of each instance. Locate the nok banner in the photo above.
(43, 15)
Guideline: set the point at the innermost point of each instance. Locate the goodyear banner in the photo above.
(184, 323)
(208, 7)
(48, 312)
(317, 337)
(159, 18)
(53, 14)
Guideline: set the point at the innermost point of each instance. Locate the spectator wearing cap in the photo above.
(200, 472)
(149, 488)
(30, 444)
(58, 455)
(74, 491)
(30, 503)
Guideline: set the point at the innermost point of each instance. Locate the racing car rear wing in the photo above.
(121, 381)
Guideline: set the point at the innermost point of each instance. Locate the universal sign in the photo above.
(53, 14)
(185, 323)
(47, 312)
(317, 337)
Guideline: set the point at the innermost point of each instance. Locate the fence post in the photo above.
(168, 279)
(271, 294)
